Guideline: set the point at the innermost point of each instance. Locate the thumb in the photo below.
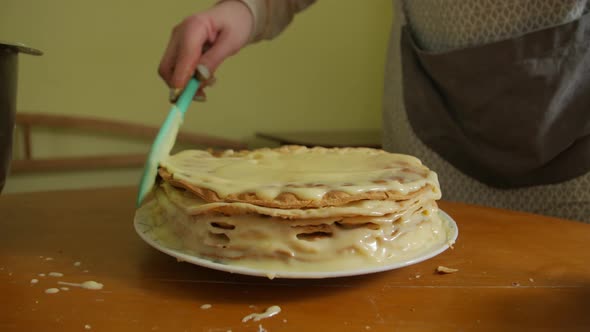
(219, 51)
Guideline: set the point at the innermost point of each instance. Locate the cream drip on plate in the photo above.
(272, 244)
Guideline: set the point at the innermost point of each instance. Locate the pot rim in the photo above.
(20, 47)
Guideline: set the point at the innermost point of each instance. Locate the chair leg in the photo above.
(27, 142)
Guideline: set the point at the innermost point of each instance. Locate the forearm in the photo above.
(271, 17)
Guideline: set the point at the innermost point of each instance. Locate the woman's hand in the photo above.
(225, 28)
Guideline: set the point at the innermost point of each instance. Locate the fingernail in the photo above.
(200, 97)
(174, 93)
(203, 71)
(211, 81)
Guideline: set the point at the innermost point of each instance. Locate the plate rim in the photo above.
(452, 235)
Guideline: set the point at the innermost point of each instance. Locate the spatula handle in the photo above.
(187, 95)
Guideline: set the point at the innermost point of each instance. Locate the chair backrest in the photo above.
(26, 121)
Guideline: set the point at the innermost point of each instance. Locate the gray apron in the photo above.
(512, 113)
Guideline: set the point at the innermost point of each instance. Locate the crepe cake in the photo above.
(297, 209)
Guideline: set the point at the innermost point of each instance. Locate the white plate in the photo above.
(144, 231)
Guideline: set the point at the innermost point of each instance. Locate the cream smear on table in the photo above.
(271, 311)
(92, 285)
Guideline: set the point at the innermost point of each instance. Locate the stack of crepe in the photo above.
(299, 208)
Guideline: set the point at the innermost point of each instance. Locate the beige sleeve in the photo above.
(272, 16)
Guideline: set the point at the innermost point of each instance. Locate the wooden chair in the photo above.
(26, 121)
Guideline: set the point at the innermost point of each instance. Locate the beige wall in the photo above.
(101, 57)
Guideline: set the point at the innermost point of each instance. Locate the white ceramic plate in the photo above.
(144, 231)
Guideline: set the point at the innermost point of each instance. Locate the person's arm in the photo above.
(226, 28)
(271, 17)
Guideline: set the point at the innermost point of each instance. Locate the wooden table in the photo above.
(329, 139)
(517, 272)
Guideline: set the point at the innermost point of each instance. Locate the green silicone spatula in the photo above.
(165, 139)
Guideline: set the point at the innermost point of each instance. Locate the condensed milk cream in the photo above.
(296, 208)
(307, 173)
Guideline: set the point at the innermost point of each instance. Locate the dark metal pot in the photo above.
(8, 84)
